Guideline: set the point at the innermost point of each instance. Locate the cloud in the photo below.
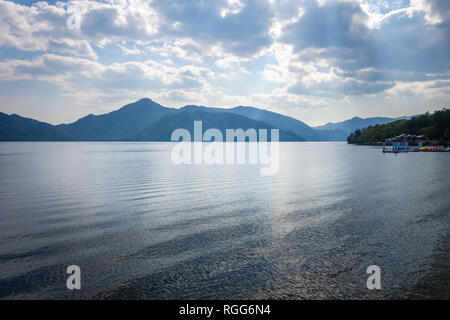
(132, 51)
(374, 75)
(241, 27)
(116, 20)
(287, 54)
(181, 96)
(340, 88)
(401, 42)
(333, 24)
(404, 46)
(78, 74)
(436, 11)
(41, 27)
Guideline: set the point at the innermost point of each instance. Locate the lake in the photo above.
(141, 227)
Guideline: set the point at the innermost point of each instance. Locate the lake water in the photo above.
(141, 227)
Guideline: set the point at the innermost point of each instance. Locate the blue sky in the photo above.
(318, 61)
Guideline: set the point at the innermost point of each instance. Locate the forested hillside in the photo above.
(434, 126)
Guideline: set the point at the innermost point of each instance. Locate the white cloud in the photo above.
(130, 51)
(75, 75)
(40, 27)
(436, 11)
(287, 53)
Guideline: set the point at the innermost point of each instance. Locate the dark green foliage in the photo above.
(434, 126)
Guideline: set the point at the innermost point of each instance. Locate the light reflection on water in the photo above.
(141, 227)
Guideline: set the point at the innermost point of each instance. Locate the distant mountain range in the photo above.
(146, 120)
(348, 126)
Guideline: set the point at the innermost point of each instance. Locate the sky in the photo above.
(316, 60)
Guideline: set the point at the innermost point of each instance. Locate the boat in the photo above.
(434, 149)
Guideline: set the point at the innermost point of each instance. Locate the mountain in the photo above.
(296, 126)
(143, 120)
(148, 120)
(17, 128)
(348, 126)
(162, 129)
(277, 120)
(434, 126)
(118, 124)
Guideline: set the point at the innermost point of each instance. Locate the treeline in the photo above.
(434, 126)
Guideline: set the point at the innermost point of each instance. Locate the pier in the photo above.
(409, 143)
(392, 149)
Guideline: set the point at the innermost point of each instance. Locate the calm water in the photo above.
(141, 227)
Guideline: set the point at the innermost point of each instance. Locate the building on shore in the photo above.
(404, 143)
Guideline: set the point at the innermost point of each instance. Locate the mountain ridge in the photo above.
(350, 125)
(162, 129)
(141, 120)
(16, 128)
(117, 124)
